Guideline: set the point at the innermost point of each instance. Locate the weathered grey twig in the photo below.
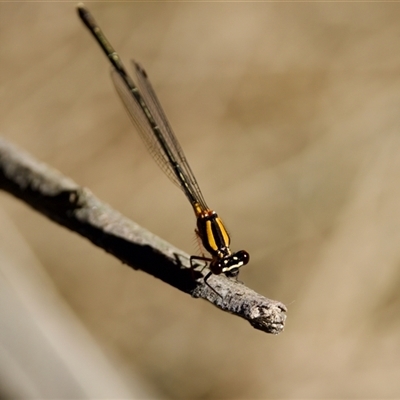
(63, 201)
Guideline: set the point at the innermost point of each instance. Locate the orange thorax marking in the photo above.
(212, 232)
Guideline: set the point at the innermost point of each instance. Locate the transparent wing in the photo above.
(150, 121)
(157, 111)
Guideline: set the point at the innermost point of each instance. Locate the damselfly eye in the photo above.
(243, 256)
(217, 267)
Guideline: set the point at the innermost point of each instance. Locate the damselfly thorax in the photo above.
(216, 240)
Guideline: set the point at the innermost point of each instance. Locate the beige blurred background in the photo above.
(289, 116)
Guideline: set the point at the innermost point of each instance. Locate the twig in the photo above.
(66, 203)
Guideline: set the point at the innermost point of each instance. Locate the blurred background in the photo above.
(289, 116)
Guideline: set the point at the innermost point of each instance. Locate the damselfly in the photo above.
(147, 115)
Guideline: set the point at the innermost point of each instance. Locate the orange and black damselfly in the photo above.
(147, 115)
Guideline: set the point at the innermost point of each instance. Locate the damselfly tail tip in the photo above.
(80, 7)
(86, 16)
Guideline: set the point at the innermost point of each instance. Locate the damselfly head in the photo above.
(230, 265)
